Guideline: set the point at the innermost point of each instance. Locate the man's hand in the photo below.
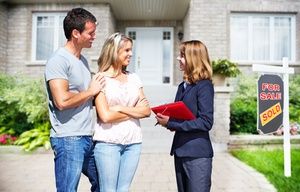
(97, 83)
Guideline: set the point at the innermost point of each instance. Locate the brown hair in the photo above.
(198, 66)
(76, 19)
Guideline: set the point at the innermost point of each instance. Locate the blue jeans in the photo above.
(116, 165)
(73, 155)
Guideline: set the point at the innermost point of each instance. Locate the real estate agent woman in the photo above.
(191, 146)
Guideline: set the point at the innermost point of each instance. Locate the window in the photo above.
(47, 34)
(132, 35)
(262, 37)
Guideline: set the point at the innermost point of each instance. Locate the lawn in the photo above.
(270, 163)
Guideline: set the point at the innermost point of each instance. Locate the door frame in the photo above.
(171, 30)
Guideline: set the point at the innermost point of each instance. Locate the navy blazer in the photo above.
(191, 137)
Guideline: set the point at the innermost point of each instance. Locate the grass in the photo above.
(271, 164)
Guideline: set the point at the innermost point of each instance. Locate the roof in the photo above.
(131, 9)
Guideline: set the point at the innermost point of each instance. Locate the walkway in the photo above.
(34, 173)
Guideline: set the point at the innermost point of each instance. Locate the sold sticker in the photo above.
(269, 114)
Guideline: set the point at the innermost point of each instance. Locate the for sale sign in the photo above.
(270, 103)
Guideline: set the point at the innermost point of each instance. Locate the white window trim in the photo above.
(250, 40)
(35, 15)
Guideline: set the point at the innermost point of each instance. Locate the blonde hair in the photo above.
(109, 53)
(198, 66)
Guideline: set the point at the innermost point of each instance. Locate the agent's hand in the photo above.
(97, 83)
(162, 119)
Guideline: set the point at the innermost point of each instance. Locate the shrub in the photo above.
(243, 116)
(294, 98)
(29, 96)
(225, 67)
(12, 120)
(37, 137)
(6, 139)
(23, 111)
(243, 107)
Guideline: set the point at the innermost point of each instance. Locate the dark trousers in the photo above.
(193, 174)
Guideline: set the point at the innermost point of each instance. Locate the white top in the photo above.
(125, 94)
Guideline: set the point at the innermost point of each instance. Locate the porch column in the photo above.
(220, 131)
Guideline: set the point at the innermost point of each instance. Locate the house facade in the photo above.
(248, 32)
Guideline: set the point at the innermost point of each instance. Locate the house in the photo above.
(257, 31)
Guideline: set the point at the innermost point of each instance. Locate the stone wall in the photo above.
(3, 36)
(209, 21)
(20, 35)
(106, 26)
(261, 142)
(269, 6)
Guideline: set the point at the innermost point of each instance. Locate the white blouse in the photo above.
(125, 94)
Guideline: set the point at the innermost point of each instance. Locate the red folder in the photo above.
(176, 110)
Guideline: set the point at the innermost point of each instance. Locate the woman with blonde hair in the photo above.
(191, 146)
(119, 107)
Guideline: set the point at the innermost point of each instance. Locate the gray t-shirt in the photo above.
(74, 121)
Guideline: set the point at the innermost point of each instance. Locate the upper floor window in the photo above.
(262, 37)
(47, 34)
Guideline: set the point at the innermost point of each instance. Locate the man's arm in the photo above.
(64, 99)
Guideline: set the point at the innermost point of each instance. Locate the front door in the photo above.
(150, 59)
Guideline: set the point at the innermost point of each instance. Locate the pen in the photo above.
(161, 113)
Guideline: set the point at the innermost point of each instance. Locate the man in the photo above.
(70, 92)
